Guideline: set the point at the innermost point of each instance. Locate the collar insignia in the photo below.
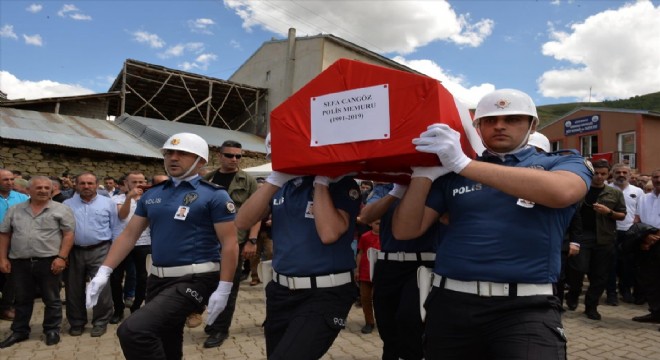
(189, 198)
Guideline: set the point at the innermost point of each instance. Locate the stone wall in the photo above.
(41, 159)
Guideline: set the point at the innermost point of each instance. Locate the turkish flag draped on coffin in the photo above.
(360, 118)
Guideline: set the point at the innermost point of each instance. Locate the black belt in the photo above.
(90, 247)
(35, 259)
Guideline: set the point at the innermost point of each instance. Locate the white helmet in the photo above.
(267, 144)
(505, 102)
(540, 141)
(188, 142)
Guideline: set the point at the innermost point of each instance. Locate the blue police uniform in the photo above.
(181, 220)
(396, 295)
(312, 289)
(493, 238)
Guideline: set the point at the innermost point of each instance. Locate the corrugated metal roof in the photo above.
(15, 102)
(73, 132)
(156, 132)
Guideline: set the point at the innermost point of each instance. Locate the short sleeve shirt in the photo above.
(425, 243)
(297, 247)
(37, 235)
(145, 237)
(182, 218)
(493, 236)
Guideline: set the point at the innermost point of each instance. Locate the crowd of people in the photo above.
(473, 259)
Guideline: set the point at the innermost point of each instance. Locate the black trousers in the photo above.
(597, 260)
(648, 276)
(396, 306)
(465, 326)
(155, 331)
(117, 287)
(303, 324)
(8, 292)
(138, 256)
(223, 322)
(623, 268)
(30, 274)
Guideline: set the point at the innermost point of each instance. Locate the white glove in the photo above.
(445, 142)
(398, 190)
(430, 172)
(218, 301)
(278, 178)
(97, 284)
(326, 181)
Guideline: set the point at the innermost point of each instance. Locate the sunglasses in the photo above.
(231, 156)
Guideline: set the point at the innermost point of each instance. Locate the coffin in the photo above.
(361, 118)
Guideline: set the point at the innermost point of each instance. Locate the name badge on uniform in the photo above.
(308, 211)
(525, 203)
(181, 213)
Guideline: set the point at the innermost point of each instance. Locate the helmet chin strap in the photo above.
(178, 179)
(522, 144)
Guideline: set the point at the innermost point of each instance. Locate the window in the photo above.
(626, 148)
(267, 75)
(589, 145)
(555, 145)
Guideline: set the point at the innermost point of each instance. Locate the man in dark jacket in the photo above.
(601, 208)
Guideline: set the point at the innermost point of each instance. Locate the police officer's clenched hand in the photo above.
(278, 179)
(218, 301)
(97, 284)
(445, 142)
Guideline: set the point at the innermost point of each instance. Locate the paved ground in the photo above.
(615, 337)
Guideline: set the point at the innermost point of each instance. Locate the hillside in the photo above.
(548, 113)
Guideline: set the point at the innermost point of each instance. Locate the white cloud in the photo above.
(180, 49)
(72, 12)
(7, 31)
(80, 17)
(201, 26)
(613, 53)
(152, 40)
(66, 8)
(456, 85)
(396, 26)
(33, 39)
(235, 44)
(34, 8)
(25, 89)
(202, 62)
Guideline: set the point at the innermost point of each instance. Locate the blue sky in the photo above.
(554, 50)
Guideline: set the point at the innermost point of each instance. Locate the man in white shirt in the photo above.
(623, 266)
(648, 277)
(136, 184)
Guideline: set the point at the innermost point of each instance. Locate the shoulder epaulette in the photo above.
(212, 184)
(565, 152)
(162, 183)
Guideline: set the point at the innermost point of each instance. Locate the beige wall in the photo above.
(312, 56)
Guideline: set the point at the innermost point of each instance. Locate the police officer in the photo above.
(396, 295)
(312, 290)
(492, 294)
(191, 221)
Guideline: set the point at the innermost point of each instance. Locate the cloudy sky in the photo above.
(557, 51)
